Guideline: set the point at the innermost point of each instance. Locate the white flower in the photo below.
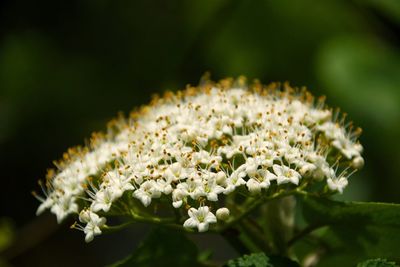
(235, 179)
(210, 187)
(177, 197)
(345, 146)
(260, 180)
(146, 192)
(320, 167)
(285, 174)
(330, 129)
(253, 186)
(317, 116)
(46, 203)
(118, 183)
(63, 206)
(292, 155)
(200, 147)
(263, 161)
(307, 168)
(200, 218)
(103, 199)
(337, 184)
(93, 226)
(176, 172)
(164, 186)
(86, 215)
(192, 187)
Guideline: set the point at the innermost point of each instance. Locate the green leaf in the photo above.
(261, 260)
(376, 263)
(252, 260)
(354, 231)
(163, 247)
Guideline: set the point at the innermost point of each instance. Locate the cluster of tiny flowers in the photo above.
(196, 146)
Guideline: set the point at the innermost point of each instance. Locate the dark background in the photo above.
(67, 67)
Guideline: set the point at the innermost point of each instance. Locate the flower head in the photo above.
(194, 149)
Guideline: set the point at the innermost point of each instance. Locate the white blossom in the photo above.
(177, 197)
(337, 184)
(93, 224)
(146, 192)
(198, 147)
(285, 174)
(103, 199)
(64, 206)
(235, 179)
(200, 218)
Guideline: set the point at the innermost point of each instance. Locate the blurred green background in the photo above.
(67, 67)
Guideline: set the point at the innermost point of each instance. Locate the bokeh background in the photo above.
(67, 67)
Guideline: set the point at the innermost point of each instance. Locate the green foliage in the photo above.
(261, 260)
(354, 230)
(163, 247)
(252, 260)
(376, 263)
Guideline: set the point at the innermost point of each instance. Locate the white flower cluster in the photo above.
(198, 145)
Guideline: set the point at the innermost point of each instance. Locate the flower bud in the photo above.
(222, 214)
(357, 163)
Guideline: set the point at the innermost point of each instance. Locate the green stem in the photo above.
(253, 230)
(113, 228)
(278, 215)
(257, 238)
(153, 220)
(168, 222)
(253, 205)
